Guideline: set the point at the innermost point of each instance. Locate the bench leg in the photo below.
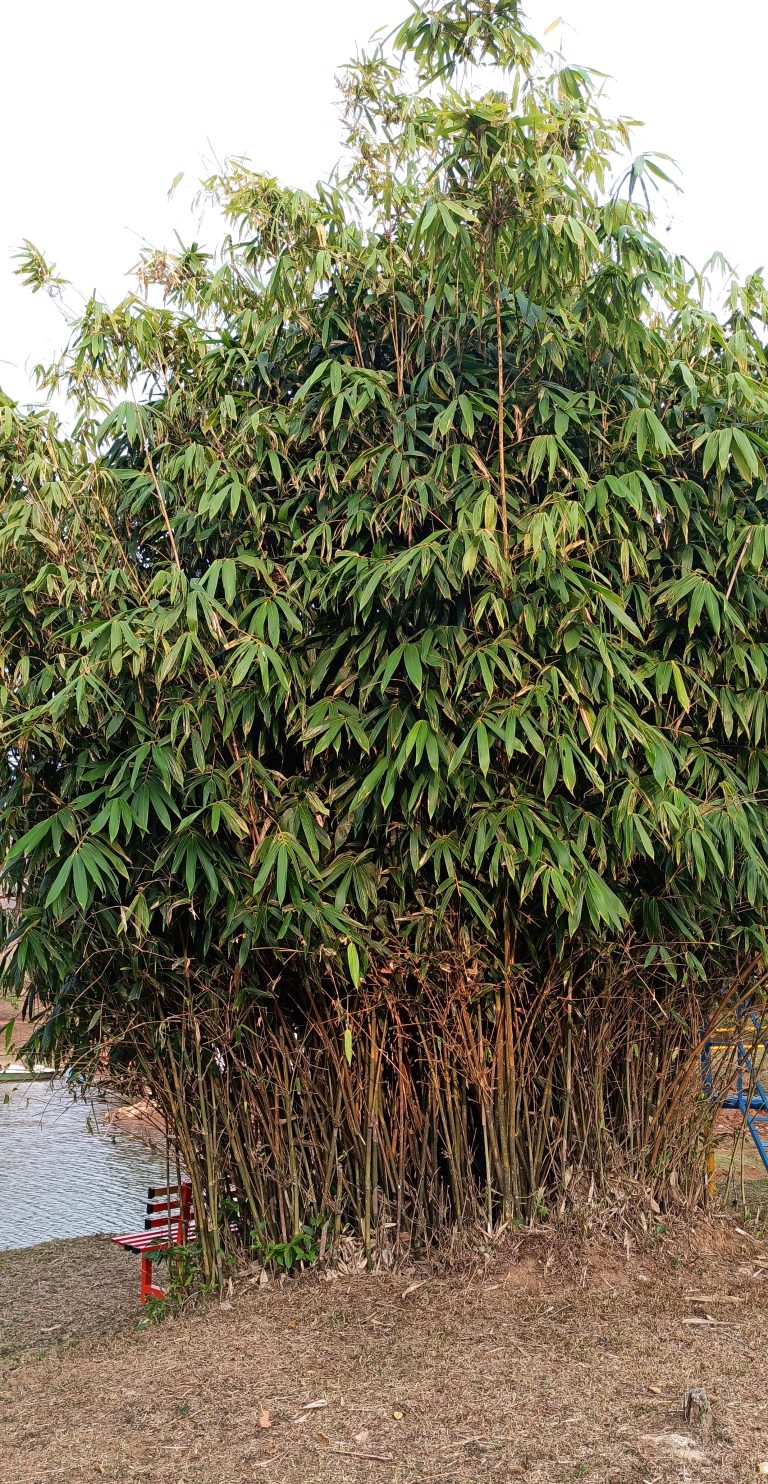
(148, 1289)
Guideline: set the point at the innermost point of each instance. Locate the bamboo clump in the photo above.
(461, 1106)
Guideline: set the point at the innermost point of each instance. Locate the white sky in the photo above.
(101, 105)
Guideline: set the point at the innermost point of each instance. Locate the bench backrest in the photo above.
(169, 1207)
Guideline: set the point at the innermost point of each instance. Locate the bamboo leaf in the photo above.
(353, 959)
(413, 665)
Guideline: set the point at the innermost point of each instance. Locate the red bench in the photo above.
(169, 1223)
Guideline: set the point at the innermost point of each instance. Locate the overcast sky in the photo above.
(101, 106)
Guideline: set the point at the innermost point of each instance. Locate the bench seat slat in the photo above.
(152, 1240)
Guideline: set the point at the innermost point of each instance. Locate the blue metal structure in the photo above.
(748, 1034)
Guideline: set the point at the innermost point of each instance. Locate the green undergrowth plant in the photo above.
(383, 670)
(185, 1282)
(300, 1251)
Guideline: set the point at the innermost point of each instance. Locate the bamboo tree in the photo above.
(383, 666)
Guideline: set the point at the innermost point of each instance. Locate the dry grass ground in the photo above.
(551, 1364)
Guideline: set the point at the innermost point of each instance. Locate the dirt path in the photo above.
(542, 1370)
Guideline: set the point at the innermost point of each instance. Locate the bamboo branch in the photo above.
(163, 507)
(502, 465)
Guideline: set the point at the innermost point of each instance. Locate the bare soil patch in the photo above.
(555, 1362)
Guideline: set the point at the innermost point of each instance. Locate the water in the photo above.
(58, 1179)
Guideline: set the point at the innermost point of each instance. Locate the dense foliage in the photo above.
(383, 659)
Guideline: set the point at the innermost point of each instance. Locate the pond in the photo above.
(63, 1171)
